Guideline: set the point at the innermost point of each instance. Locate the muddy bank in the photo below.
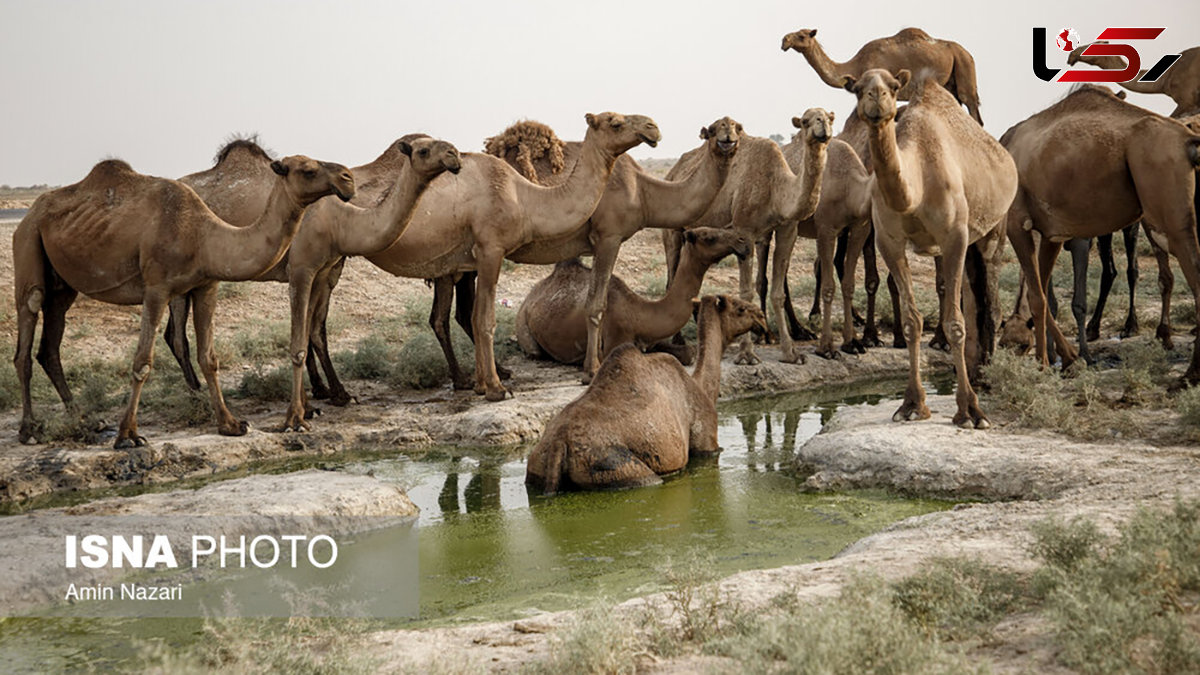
(386, 420)
(32, 572)
(1039, 476)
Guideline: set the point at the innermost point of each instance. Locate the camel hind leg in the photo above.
(1108, 273)
(29, 286)
(175, 336)
(204, 305)
(59, 299)
(318, 340)
(870, 334)
(613, 468)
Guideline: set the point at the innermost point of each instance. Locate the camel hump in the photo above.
(912, 33)
(110, 168)
(526, 142)
(241, 144)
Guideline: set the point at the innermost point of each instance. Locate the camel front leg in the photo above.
(154, 305)
(954, 256)
(746, 355)
(892, 250)
(870, 336)
(318, 338)
(1080, 250)
(175, 335)
(604, 257)
(850, 344)
(483, 322)
(785, 243)
(300, 288)
(826, 241)
(1047, 254)
(54, 322)
(1108, 273)
(939, 341)
(1130, 235)
(439, 321)
(1166, 286)
(204, 307)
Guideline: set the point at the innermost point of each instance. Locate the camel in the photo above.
(943, 185)
(762, 197)
(125, 238)
(632, 200)
(1181, 81)
(845, 206)
(643, 416)
(943, 61)
(1140, 166)
(330, 231)
(489, 211)
(553, 321)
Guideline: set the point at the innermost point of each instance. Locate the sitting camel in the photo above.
(643, 416)
(633, 200)
(1140, 166)
(124, 238)
(763, 197)
(330, 231)
(943, 185)
(553, 320)
(944, 61)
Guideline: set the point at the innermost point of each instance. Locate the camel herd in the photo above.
(910, 169)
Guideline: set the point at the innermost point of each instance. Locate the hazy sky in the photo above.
(162, 83)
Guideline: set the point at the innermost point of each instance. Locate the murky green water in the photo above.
(490, 550)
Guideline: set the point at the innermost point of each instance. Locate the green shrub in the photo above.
(1019, 386)
(597, 642)
(957, 597)
(420, 363)
(267, 343)
(373, 358)
(266, 384)
(1188, 405)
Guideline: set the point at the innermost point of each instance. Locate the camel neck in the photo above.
(801, 191)
(242, 253)
(367, 231)
(707, 374)
(662, 318)
(677, 204)
(562, 209)
(827, 69)
(889, 177)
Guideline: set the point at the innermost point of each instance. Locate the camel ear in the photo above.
(1121, 94)
(690, 236)
(812, 33)
(591, 120)
(798, 122)
(848, 83)
(706, 133)
(739, 127)
(832, 116)
(695, 307)
(404, 147)
(721, 303)
(903, 77)
(279, 168)
(1029, 323)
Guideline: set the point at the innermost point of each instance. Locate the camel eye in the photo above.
(309, 173)
(424, 152)
(616, 124)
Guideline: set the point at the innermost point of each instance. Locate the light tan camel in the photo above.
(633, 200)
(1139, 165)
(331, 231)
(845, 205)
(943, 185)
(944, 61)
(489, 211)
(643, 416)
(763, 197)
(553, 320)
(124, 238)
(1181, 81)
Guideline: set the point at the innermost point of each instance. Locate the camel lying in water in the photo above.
(643, 416)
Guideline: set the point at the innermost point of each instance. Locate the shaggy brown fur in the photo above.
(525, 142)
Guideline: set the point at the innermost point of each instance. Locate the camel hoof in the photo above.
(310, 413)
(1130, 328)
(585, 379)
(939, 344)
(126, 443)
(853, 347)
(1164, 336)
(802, 334)
(795, 357)
(503, 373)
(340, 400)
(910, 412)
(1092, 334)
(829, 353)
(239, 429)
(870, 340)
(319, 392)
(495, 395)
(899, 343)
(463, 385)
(747, 358)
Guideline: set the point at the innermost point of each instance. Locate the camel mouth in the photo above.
(727, 147)
(344, 195)
(454, 169)
(759, 328)
(648, 141)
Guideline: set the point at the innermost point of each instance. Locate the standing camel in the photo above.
(1140, 166)
(943, 185)
(124, 238)
(553, 320)
(763, 197)
(945, 62)
(329, 232)
(633, 200)
(1181, 81)
(476, 219)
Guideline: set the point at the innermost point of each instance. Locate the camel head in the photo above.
(801, 40)
(816, 124)
(722, 136)
(430, 157)
(618, 133)
(1016, 334)
(737, 316)
(876, 92)
(1076, 54)
(710, 244)
(307, 179)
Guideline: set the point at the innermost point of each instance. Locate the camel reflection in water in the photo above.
(482, 492)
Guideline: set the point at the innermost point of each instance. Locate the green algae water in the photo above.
(489, 550)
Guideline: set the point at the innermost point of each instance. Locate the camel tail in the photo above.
(977, 272)
(1193, 152)
(554, 466)
(962, 82)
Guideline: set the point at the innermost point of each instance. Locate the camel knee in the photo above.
(956, 331)
(912, 332)
(298, 357)
(34, 299)
(140, 373)
(827, 294)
